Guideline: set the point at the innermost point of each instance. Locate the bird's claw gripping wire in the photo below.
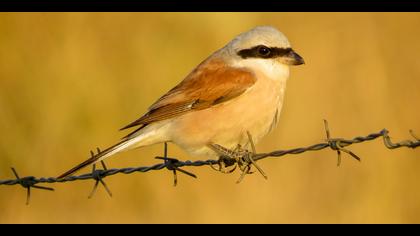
(171, 164)
(28, 183)
(225, 159)
(98, 176)
(335, 144)
(239, 157)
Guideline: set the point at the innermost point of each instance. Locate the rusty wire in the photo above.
(174, 165)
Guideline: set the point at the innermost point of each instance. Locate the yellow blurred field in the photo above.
(69, 81)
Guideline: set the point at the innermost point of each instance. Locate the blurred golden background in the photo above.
(69, 81)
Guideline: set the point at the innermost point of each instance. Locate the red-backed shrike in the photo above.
(237, 89)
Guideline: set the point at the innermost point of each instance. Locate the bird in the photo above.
(237, 90)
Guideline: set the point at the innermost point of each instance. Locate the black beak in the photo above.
(292, 58)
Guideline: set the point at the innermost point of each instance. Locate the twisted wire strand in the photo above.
(336, 144)
(31, 180)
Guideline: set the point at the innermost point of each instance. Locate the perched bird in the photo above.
(237, 89)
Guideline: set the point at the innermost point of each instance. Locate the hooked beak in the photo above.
(292, 58)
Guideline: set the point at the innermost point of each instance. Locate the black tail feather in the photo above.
(91, 160)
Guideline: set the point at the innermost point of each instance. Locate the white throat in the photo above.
(270, 68)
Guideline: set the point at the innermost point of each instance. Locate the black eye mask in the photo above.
(262, 51)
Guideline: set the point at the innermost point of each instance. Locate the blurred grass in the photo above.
(68, 81)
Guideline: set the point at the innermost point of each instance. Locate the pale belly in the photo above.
(226, 124)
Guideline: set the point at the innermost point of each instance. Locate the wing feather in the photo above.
(211, 83)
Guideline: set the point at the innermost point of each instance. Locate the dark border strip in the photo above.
(211, 5)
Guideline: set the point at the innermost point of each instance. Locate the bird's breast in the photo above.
(226, 124)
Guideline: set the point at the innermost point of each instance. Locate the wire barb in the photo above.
(336, 144)
(171, 164)
(28, 183)
(98, 176)
(251, 158)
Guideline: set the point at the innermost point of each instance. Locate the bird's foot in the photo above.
(227, 158)
(239, 158)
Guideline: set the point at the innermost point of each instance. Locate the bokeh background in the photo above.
(69, 81)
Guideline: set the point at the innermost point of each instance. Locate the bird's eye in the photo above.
(264, 51)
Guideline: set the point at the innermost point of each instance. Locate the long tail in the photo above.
(123, 145)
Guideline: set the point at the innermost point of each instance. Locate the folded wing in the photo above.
(211, 83)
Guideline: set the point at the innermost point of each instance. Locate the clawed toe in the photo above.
(238, 157)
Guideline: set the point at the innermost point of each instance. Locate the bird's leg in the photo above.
(226, 158)
(239, 156)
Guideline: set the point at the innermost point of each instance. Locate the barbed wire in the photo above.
(243, 159)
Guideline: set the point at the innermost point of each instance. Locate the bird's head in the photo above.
(266, 43)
